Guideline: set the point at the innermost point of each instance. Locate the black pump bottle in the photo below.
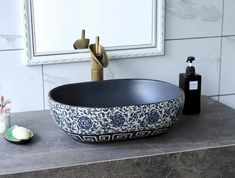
(190, 82)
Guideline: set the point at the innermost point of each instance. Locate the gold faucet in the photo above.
(99, 60)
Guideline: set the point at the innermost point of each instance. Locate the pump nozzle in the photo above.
(190, 70)
(190, 59)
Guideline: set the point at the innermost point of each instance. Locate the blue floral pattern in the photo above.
(56, 116)
(85, 122)
(117, 120)
(109, 121)
(153, 117)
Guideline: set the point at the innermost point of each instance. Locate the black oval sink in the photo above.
(115, 93)
(115, 109)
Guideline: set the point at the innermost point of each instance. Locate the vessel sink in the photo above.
(116, 109)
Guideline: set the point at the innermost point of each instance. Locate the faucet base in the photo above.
(97, 75)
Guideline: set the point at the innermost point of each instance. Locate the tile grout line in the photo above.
(228, 94)
(16, 49)
(227, 35)
(192, 38)
(221, 51)
(195, 38)
(43, 88)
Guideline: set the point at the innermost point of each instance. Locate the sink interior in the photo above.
(115, 93)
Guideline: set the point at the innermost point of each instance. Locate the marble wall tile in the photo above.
(228, 66)
(193, 18)
(11, 22)
(20, 83)
(229, 17)
(165, 68)
(168, 67)
(60, 74)
(228, 100)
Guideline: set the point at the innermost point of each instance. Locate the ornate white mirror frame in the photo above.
(154, 47)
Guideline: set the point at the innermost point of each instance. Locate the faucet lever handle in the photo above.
(83, 34)
(97, 44)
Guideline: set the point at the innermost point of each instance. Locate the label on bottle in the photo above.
(193, 85)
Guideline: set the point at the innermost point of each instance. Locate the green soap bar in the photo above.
(8, 134)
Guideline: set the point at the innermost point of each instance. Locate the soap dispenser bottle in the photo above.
(190, 82)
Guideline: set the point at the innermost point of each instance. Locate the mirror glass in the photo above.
(127, 28)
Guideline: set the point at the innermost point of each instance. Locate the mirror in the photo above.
(127, 28)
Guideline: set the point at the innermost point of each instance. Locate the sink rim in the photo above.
(181, 92)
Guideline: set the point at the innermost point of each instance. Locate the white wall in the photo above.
(202, 28)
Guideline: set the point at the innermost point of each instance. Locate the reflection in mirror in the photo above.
(128, 28)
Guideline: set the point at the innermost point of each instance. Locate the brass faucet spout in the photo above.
(99, 60)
